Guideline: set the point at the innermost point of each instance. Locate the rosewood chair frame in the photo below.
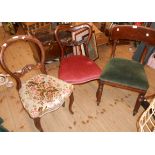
(18, 74)
(132, 33)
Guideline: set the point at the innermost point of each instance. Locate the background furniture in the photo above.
(10, 27)
(82, 34)
(44, 32)
(76, 68)
(123, 73)
(146, 122)
(41, 93)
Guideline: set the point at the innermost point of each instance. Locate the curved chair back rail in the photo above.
(132, 32)
(71, 29)
(16, 75)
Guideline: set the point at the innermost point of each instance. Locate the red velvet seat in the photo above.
(78, 69)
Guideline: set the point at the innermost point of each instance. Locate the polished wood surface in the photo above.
(113, 115)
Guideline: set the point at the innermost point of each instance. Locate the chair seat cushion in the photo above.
(44, 93)
(78, 69)
(125, 72)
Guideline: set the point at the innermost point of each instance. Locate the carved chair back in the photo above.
(133, 33)
(72, 41)
(28, 67)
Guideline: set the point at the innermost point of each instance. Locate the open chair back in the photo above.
(146, 121)
(18, 74)
(73, 41)
(133, 33)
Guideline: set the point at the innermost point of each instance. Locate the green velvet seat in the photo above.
(125, 72)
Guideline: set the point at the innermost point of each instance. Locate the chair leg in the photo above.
(71, 103)
(99, 92)
(138, 103)
(38, 124)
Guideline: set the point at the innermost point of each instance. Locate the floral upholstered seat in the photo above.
(44, 93)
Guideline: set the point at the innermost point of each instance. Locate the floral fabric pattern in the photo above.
(44, 93)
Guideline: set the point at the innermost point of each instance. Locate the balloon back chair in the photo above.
(41, 93)
(146, 122)
(124, 73)
(76, 68)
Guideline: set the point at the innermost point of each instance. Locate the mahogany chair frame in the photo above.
(133, 33)
(18, 74)
(64, 43)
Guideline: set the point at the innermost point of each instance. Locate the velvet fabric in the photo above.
(125, 72)
(78, 69)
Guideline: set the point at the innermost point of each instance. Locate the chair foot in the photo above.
(38, 124)
(71, 103)
(71, 111)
